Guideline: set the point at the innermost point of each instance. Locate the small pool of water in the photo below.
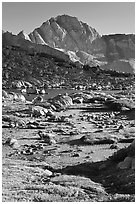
(49, 93)
(53, 92)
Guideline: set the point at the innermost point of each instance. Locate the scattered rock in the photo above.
(12, 143)
(75, 155)
(50, 113)
(61, 102)
(78, 100)
(47, 137)
(37, 99)
(114, 146)
(17, 84)
(27, 152)
(38, 111)
(4, 94)
(47, 173)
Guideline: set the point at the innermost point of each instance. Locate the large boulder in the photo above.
(47, 137)
(38, 111)
(20, 98)
(125, 158)
(12, 142)
(86, 97)
(17, 84)
(32, 90)
(61, 101)
(126, 164)
(16, 97)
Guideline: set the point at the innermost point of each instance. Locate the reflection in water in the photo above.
(49, 93)
(52, 92)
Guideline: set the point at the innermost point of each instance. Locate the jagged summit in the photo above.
(22, 34)
(65, 32)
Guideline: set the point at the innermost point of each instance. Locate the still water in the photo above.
(54, 92)
(49, 93)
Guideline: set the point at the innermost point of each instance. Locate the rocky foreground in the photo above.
(72, 147)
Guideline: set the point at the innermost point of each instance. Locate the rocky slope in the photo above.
(68, 33)
(37, 68)
(68, 38)
(21, 41)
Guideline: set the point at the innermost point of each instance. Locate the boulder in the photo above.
(37, 99)
(17, 84)
(125, 158)
(12, 143)
(16, 97)
(114, 146)
(61, 101)
(32, 90)
(126, 164)
(27, 84)
(20, 98)
(78, 100)
(86, 97)
(50, 113)
(38, 111)
(47, 173)
(47, 137)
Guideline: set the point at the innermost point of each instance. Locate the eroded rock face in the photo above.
(65, 32)
(69, 34)
(22, 34)
(119, 46)
(8, 39)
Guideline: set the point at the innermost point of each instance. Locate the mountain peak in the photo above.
(78, 41)
(23, 35)
(65, 32)
(65, 16)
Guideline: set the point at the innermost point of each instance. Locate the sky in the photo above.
(105, 17)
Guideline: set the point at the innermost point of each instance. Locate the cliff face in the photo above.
(73, 36)
(119, 46)
(65, 32)
(68, 38)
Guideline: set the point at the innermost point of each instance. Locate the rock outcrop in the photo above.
(8, 39)
(22, 34)
(65, 32)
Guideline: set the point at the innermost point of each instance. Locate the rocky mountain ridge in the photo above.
(65, 32)
(70, 39)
